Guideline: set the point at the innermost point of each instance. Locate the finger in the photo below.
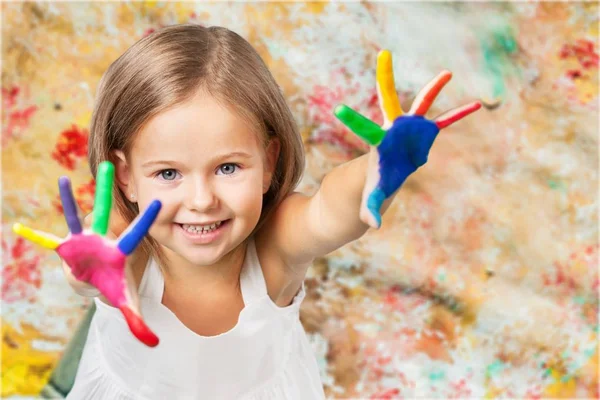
(363, 127)
(103, 199)
(69, 205)
(132, 314)
(428, 94)
(386, 88)
(139, 228)
(46, 240)
(459, 113)
(138, 327)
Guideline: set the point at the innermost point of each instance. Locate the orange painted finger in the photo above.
(427, 95)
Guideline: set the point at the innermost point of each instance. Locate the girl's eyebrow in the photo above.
(216, 159)
(234, 154)
(158, 162)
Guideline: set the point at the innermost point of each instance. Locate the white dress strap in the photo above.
(252, 280)
(152, 285)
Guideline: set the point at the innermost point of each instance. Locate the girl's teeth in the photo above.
(201, 228)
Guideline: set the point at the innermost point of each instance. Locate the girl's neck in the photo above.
(226, 272)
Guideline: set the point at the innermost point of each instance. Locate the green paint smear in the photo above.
(556, 185)
(436, 375)
(497, 46)
(494, 368)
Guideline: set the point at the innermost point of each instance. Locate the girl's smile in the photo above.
(203, 233)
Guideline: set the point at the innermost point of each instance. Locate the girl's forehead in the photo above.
(199, 125)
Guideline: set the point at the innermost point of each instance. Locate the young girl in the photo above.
(192, 117)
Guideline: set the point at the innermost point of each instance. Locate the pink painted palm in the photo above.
(95, 259)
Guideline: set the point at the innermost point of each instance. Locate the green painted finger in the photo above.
(103, 200)
(362, 126)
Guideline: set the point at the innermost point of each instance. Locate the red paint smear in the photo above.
(460, 390)
(574, 74)
(561, 275)
(139, 328)
(533, 394)
(388, 394)
(84, 195)
(14, 121)
(21, 274)
(72, 144)
(149, 31)
(583, 50)
(398, 301)
(590, 249)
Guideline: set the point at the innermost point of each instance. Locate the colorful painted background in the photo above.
(483, 281)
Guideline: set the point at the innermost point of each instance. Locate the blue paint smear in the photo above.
(404, 148)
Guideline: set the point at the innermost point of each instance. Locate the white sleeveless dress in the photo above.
(265, 356)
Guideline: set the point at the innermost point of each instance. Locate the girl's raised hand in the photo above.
(402, 143)
(95, 258)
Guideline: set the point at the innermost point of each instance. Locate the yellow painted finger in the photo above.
(43, 239)
(388, 98)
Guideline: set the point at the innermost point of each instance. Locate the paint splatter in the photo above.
(21, 275)
(324, 99)
(583, 51)
(84, 195)
(71, 146)
(15, 115)
(387, 394)
(498, 45)
(25, 367)
(383, 342)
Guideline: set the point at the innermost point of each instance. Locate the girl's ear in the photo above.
(272, 155)
(123, 175)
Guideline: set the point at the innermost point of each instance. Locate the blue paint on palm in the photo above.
(404, 148)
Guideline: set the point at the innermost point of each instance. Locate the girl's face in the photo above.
(209, 170)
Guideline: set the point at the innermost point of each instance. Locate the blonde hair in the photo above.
(167, 68)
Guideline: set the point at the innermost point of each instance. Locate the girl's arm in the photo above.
(306, 227)
(353, 196)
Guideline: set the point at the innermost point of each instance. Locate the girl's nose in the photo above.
(201, 197)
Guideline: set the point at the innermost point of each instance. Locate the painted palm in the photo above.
(96, 259)
(402, 143)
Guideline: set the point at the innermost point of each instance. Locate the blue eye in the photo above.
(168, 174)
(227, 169)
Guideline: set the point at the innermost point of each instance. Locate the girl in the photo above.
(191, 116)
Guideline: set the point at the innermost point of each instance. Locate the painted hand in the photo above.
(96, 259)
(402, 143)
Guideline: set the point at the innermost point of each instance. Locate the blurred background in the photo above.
(483, 280)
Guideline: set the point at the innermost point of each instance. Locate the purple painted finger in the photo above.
(69, 205)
